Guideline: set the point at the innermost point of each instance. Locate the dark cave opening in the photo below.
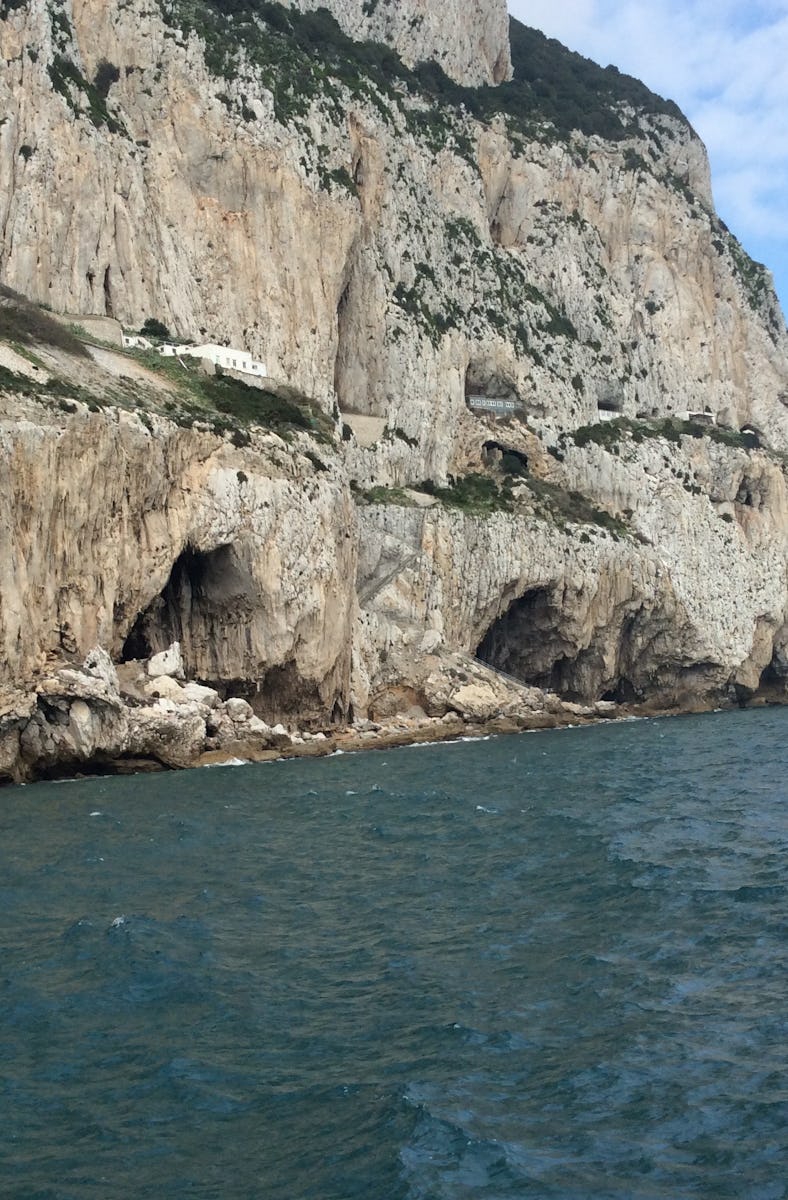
(526, 643)
(491, 391)
(774, 677)
(137, 645)
(204, 589)
(623, 692)
(508, 459)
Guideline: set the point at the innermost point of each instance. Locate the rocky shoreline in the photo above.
(142, 716)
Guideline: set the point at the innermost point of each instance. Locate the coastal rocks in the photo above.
(79, 716)
(476, 701)
(417, 268)
(15, 712)
(174, 735)
(87, 717)
(239, 711)
(464, 686)
(195, 693)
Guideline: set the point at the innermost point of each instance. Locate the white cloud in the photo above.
(724, 64)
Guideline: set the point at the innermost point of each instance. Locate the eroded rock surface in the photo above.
(409, 261)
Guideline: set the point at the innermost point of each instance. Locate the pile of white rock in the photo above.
(139, 710)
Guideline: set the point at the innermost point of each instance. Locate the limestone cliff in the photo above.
(468, 38)
(406, 250)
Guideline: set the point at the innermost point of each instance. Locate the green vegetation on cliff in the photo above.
(672, 429)
(572, 92)
(302, 57)
(29, 325)
(178, 390)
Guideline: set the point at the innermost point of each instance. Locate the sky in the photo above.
(725, 63)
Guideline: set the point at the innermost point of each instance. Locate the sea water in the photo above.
(543, 966)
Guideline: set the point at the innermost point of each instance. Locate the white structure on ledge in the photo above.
(499, 405)
(221, 356)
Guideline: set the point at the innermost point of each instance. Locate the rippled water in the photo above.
(547, 966)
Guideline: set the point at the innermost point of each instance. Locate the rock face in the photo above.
(134, 538)
(468, 38)
(416, 256)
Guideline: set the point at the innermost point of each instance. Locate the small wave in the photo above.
(230, 762)
(493, 811)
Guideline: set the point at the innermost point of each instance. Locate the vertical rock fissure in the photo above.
(108, 305)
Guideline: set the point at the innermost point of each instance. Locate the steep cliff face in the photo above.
(134, 535)
(409, 251)
(468, 38)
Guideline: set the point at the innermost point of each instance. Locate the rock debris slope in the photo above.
(528, 396)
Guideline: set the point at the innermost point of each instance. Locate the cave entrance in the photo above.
(610, 401)
(489, 391)
(623, 692)
(205, 590)
(774, 677)
(526, 643)
(506, 458)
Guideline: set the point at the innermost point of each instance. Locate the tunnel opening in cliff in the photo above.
(526, 642)
(489, 390)
(206, 591)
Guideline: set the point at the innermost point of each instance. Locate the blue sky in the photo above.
(726, 65)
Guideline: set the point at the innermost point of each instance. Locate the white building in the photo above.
(135, 341)
(699, 418)
(221, 356)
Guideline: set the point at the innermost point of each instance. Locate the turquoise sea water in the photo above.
(545, 966)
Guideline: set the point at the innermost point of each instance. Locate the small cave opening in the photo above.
(205, 591)
(283, 694)
(137, 644)
(610, 399)
(623, 691)
(750, 493)
(526, 643)
(774, 677)
(506, 458)
(490, 390)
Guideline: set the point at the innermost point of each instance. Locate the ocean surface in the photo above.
(544, 966)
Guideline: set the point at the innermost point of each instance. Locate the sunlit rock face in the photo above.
(468, 38)
(465, 283)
